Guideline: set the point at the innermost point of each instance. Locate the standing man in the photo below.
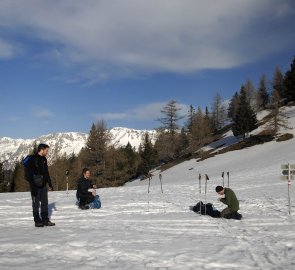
(39, 178)
(84, 196)
(230, 199)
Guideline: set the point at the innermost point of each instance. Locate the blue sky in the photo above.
(66, 64)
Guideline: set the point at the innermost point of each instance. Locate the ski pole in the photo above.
(222, 175)
(67, 179)
(200, 192)
(207, 178)
(227, 179)
(149, 194)
(160, 178)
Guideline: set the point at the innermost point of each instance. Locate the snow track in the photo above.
(124, 235)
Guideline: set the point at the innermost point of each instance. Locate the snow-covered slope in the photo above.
(229, 139)
(135, 229)
(12, 150)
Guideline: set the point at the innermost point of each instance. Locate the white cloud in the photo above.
(106, 39)
(13, 119)
(8, 50)
(147, 112)
(42, 113)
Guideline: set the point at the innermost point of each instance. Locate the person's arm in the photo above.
(223, 200)
(232, 201)
(47, 176)
(93, 185)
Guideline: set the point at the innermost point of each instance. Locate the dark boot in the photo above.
(37, 220)
(48, 223)
(39, 224)
(84, 207)
(237, 216)
(45, 219)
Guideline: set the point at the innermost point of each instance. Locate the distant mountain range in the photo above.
(13, 150)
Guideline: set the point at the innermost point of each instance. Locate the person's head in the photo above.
(219, 190)
(86, 173)
(43, 149)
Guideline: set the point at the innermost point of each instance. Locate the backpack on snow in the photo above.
(206, 209)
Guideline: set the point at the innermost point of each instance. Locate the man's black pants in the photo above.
(40, 198)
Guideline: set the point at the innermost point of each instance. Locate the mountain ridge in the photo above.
(68, 143)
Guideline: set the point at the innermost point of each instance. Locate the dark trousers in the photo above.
(40, 198)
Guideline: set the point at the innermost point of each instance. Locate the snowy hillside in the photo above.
(12, 150)
(229, 139)
(130, 233)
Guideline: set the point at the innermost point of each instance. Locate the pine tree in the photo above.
(233, 106)
(278, 119)
(208, 121)
(170, 127)
(191, 114)
(183, 143)
(245, 120)
(3, 182)
(262, 94)
(278, 83)
(132, 160)
(201, 130)
(19, 182)
(218, 113)
(147, 155)
(171, 117)
(250, 93)
(289, 82)
(165, 151)
(96, 148)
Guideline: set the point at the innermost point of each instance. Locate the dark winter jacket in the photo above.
(83, 194)
(230, 199)
(38, 166)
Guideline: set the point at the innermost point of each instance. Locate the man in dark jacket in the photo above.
(230, 199)
(84, 196)
(39, 178)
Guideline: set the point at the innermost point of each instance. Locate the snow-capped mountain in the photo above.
(13, 150)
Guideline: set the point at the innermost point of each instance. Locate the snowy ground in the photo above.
(127, 233)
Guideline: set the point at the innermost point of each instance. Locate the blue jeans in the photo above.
(96, 204)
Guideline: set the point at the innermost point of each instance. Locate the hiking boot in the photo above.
(39, 224)
(84, 207)
(48, 223)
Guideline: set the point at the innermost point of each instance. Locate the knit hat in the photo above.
(219, 188)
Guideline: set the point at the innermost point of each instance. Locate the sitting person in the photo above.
(230, 199)
(86, 198)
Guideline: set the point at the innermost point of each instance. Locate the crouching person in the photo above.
(230, 199)
(86, 197)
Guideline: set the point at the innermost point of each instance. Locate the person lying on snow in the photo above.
(230, 199)
(86, 197)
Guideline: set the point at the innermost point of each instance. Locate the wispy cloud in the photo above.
(99, 40)
(42, 113)
(8, 50)
(145, 112)
(13, 118)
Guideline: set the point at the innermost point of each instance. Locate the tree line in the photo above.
(113, 166)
